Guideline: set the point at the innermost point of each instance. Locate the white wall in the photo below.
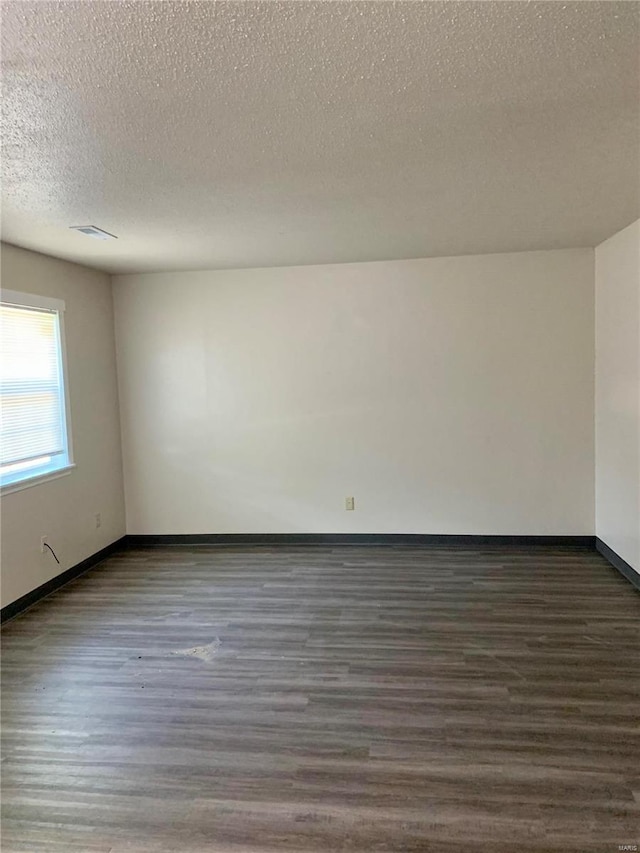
(64, 509)
(448, 395)
(618, 393)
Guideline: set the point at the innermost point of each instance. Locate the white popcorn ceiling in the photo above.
(222, 134)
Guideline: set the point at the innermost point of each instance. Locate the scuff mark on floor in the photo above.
(173, 615)
(205, 653)
(512, 669)
(596, 641)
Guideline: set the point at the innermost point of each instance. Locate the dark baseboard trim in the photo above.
(60, 580)
(445, 540)
(618, 563)
(432, 539)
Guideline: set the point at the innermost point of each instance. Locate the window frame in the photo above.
(42, 474)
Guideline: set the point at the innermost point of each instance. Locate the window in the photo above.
(34, 434)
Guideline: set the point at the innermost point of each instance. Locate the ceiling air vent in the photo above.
(92, 231)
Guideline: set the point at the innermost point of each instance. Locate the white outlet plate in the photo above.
(43, 542)
(98, 518)
(350, 503)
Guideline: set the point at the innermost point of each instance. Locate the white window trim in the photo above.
(47, 303)
(37, 479)
(31, 300)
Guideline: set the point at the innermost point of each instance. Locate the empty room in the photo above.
(320, 438)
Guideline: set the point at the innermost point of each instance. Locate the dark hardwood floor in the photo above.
(253, 699)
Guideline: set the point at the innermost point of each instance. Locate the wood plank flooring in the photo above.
(319, 699)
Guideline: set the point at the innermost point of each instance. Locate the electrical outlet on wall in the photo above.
(350, 503)
(98, 518)
(43, 543)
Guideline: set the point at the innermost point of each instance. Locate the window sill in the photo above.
(36, 480)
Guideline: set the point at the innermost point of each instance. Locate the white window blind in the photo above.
(33, 436)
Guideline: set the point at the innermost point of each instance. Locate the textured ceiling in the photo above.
(221, 134)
